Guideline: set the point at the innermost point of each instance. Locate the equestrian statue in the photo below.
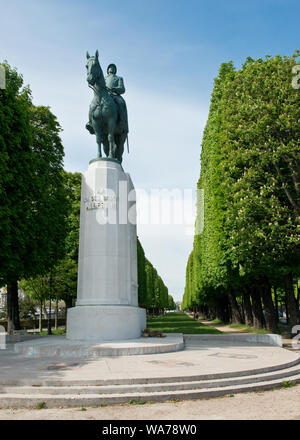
(108, 113)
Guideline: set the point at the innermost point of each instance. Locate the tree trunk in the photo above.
(286, 309)
(45, 310)
(218, 312)
(13, 320)
(247, 308)
(291, 300)
(49, 326)
(211, 313)
(270, 316)
(40, 317)
(207, 312)
(206, 316)
(69, 304)
(56, 314)
(234, 308)
(276, 303)
(242, 310)
(258, 317)
(226, 310)
(222, 309)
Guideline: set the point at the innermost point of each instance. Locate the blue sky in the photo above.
(168, 53)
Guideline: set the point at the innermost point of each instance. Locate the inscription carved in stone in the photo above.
(102, 199)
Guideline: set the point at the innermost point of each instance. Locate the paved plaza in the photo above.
(205, 368)
(206, 358)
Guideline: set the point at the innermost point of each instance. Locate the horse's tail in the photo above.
(127, 143)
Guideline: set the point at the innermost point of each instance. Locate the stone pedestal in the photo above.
(107, 298)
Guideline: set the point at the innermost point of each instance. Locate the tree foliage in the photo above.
(250, 174)
(152, 292)
(32, 195)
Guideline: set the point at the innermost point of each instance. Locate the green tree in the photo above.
(37, 289)
(27, 307)
(68, 268)
(156, 298)
(208, 276)
(142, 276)
(72, 184)
(32, 196)
(15, 165)
(251, 179)
(64, 273)
(260, 124)
(171, 303)
(149, 284)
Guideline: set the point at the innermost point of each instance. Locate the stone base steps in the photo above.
(61, 347)
(189, 387)
(241, 338)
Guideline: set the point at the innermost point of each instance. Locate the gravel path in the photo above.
(222, 327)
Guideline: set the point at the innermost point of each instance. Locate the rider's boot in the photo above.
(90, 128)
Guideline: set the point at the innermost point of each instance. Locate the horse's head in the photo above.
(94, 70)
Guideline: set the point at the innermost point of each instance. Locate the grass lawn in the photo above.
(244, 328)
(59, 331)
(179, 323)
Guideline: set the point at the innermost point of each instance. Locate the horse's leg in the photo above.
(121, 141)
(111, 138)
(105, 145)
(89, 125)
(98, 131)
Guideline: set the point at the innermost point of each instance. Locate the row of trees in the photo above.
(152, 293)
(60, 283)
(32, 196)
(40, 209)
(248, 252)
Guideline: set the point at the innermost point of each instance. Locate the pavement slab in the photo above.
(208, 358)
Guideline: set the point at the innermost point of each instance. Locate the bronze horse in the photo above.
(104, 115)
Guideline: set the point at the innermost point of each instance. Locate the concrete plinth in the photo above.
(107, 291)
(105, 323)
